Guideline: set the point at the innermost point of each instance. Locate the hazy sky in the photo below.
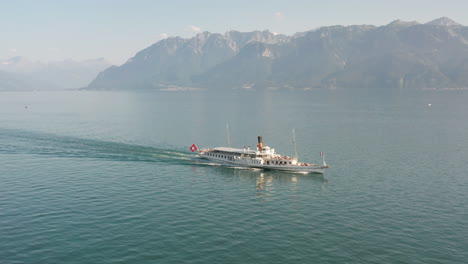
(117, 29)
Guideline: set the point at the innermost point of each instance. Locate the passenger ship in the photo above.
(263, 157)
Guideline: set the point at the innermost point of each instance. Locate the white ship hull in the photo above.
(292, 168)
(289, 168)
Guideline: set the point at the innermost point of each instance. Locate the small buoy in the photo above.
(429, 105)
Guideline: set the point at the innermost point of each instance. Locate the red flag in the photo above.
(193, 148)
(321, 153)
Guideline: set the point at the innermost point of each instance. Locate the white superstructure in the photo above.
(263, 157)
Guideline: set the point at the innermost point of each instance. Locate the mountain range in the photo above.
(399, 55)
(20, 73)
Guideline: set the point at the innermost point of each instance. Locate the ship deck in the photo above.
(233, 150)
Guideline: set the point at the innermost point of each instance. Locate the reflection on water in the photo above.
(263, 186)
(266, 181)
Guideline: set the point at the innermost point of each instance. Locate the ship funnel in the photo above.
(260, 143)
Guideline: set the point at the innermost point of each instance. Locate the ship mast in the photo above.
(228, 136)
(295, 146)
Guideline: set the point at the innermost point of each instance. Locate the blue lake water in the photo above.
(107, 177)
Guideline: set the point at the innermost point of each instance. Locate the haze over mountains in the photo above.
(400, 55)
(20, 73)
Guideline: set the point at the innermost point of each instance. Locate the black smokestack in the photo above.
(260, 143)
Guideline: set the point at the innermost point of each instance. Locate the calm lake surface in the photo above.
(107, 177)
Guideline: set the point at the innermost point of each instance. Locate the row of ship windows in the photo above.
(258, 162)
(218, 156)
(228, 157)
(280, 162)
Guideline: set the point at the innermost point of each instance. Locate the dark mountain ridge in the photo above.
(399, 55)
